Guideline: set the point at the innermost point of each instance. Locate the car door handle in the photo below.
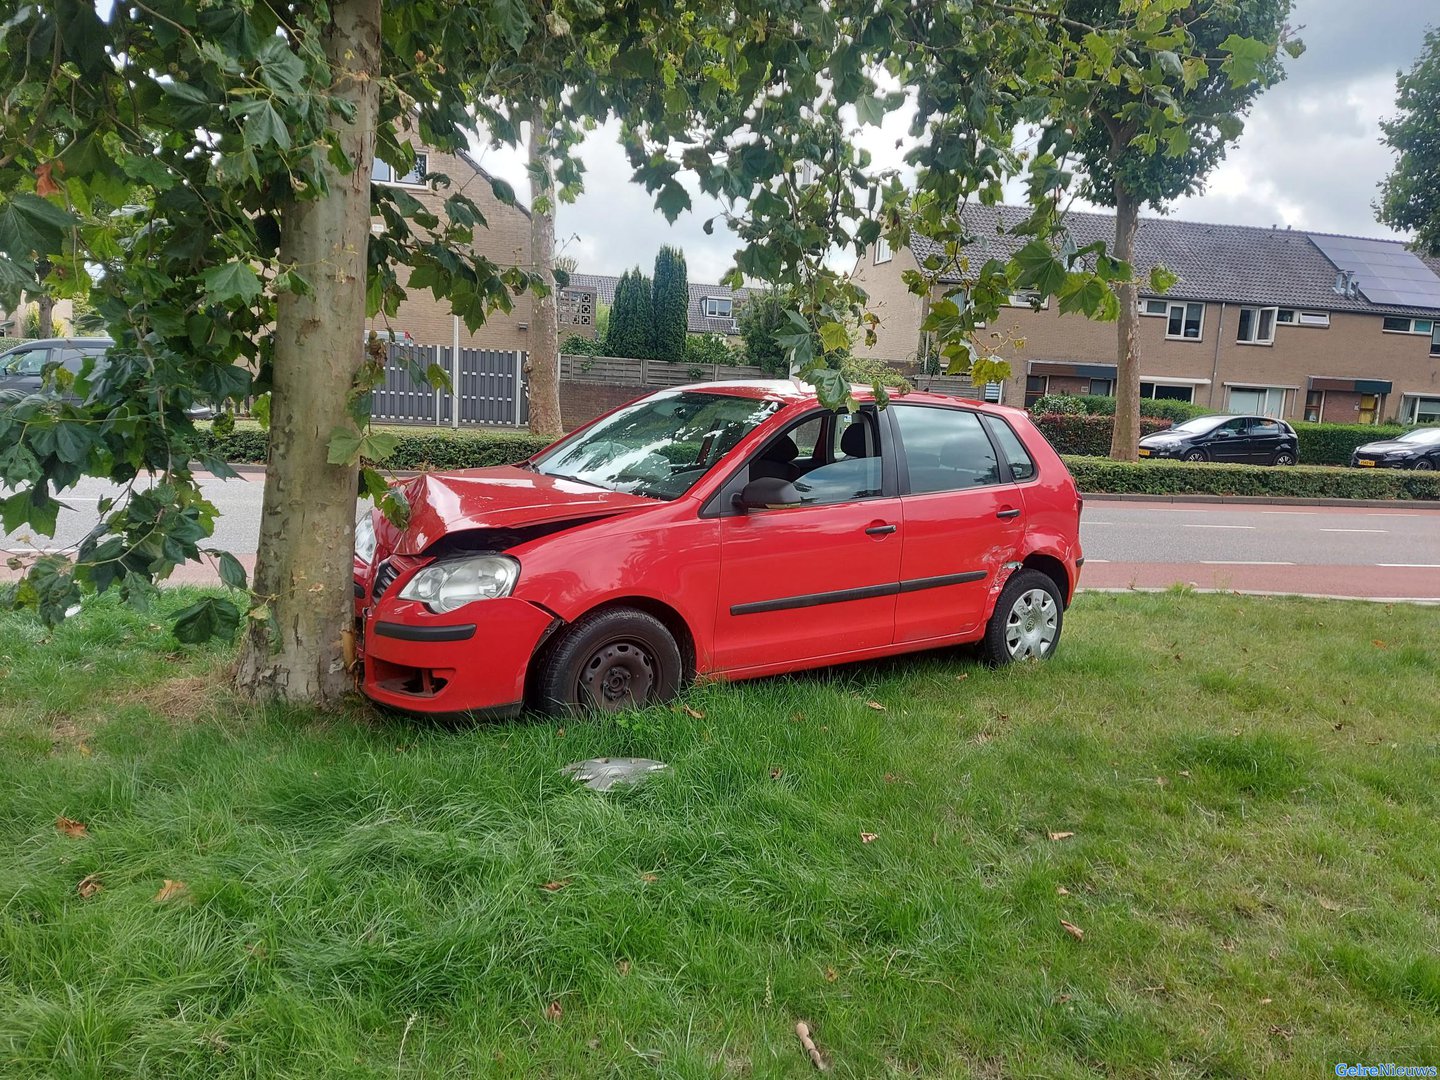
(1006, 515)
(880, 530)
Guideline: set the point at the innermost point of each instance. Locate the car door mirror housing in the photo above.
(767, 493)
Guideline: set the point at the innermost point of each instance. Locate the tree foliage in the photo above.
(762, 323)
(1410, 195)
(670, 306)
(182, 164)
(632, 321)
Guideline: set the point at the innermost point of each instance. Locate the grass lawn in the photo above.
(1253, 788)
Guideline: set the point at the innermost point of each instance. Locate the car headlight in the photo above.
(365, 539)
(445, 586)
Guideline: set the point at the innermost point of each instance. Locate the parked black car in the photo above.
(23, 367)
(1254, 440)
(1418, 449)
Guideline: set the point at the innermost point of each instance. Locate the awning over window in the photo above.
(1350, 386)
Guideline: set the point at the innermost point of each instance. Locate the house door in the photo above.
(1369, 408)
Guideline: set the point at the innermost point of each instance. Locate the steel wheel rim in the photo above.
(1032, 625)
(618, 675)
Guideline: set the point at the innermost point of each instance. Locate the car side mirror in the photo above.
(767, 493)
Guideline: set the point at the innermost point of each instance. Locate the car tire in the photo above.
(611, 660)
(1424, 465)
(1026, 622)
(1194, 455)
(1285, 457)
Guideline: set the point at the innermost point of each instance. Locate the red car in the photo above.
(724, 529)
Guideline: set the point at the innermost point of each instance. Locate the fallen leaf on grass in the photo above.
(649, 879)
(1379, 644)
(1185, 773)
(553, 1011)
(1073, 930)
(831, 974)
(70, 827)
(876, 706)
(776, 773)
(1061, 835)
(961, 678)
(560, 733)
(172, 890)
(868, 837)
(555, 886)
(1266, 1001)
(694, 714)
(623, 966)
(1060, 890)
(89, 886)
(1329, 905)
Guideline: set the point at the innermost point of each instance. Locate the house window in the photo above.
(1394, 324)
(883, 254)
(1257, 326)
(1314, 318)
(1257, 400)
(1167, 393)
(1101, 387)
(719, 307)
(384, 173)
(1036, 387)
(1287, 315)
(1314, 406)
(1423, 410)
(1435, 339)
(1154, 307)
(1186, 322)
(1033, 300)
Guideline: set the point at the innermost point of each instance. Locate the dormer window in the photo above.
(719, 307)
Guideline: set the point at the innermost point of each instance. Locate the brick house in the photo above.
(1297, 325)
(713, 308)
(427, 321)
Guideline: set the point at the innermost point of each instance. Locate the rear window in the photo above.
(1022, 465)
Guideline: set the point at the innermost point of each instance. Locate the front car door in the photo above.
(24, 368)
(819, 579)
(963, 520)
(1229, 441)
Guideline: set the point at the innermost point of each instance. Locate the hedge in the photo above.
(1100, 405)
(1102, 476)
(420, 449)
(1080, 433)
(1331, 444)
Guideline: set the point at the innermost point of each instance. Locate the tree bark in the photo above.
(1124, 443)
(44, 302)
(543, 367)
(307, 528)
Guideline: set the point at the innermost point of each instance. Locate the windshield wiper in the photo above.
(575, 479)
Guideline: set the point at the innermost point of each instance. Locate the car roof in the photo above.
(53, 341)
(798, 392)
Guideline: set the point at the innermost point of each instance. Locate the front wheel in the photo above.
(1194, 455)
(1026, 622)
(1284, 458)
(1424, 465)
(612, 660)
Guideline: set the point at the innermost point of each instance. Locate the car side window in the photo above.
(1232, 427)
(31, 362)
(1265, 427)
(945, 449)
(1022, 465)
(850, 469)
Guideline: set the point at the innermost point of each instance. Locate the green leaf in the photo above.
(231, 572)
(260, 410)
(396, 508)
(349, 446)
(672, 200)
(1162, 280)
(1039, 267)
(870, 110)
(503, 191)
(211, 617)
(1246, 60)
(31, 225)
(834, 337)
(231, 281)
(373, 483)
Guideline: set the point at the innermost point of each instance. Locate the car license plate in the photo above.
(1370, 464)
(1144, 453)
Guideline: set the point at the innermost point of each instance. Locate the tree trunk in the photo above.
(1124, 444)
(543, 368)
(307, 527)
(44, 302)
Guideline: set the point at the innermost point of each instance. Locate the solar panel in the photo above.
(1387, 273)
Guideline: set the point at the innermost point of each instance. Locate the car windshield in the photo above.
(1200, 425)
(1424, 436)
(658, 447)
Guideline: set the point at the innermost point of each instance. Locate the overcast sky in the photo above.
(1310, 156)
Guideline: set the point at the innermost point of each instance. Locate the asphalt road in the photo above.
(1321, 550)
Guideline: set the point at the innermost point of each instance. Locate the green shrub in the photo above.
(1331, 444)
(1059, 404)
(575, 345)
(1081, 433)
(1100, 405)
(1098, 475)
(424, 448)
(702, 350)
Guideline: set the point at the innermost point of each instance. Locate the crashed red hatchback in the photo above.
(726, 529)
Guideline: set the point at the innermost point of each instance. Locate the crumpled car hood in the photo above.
(495, 498)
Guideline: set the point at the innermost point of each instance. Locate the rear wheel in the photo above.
(1194, 455)
(1284, 457)
(1027, 620)
(611, 661)
(1424, 465)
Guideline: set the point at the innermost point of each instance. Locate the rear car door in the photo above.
(819, 579)
(1265, 439)
(963, 519)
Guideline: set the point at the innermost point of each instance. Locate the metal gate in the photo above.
(489, 387)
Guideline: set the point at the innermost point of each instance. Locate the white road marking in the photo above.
(1089, 561)
(1380, 531)
(1408, 565)
(1084, 522)
(1293, 513)
(1218, 526)
(1241, 562)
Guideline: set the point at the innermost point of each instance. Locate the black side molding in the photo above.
(840, 596)
(405, 632)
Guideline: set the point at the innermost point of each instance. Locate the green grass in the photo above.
(1252, 785)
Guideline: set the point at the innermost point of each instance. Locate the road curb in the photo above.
(1263, 500)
